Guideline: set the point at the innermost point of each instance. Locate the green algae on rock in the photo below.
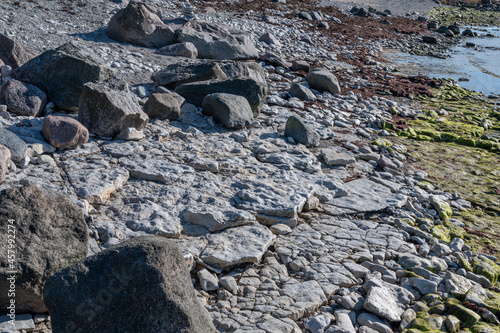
(467, 16)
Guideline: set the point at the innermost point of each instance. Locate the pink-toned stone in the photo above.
(64, 132)
(4, 161)
(13, 53)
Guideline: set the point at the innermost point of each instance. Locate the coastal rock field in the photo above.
(249, 166)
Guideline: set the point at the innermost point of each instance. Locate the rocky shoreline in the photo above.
(284, 188)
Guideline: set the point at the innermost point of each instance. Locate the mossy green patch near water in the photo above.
(468, 16)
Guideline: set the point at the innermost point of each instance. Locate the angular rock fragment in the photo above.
(322, 79)
(217, 219)
(139, 23)
(23, 99)
(12, 53)
(382, 302)
(107, 109)
(64, 132)
(50, 230)
(231, 111)
(301, 132)
(235, 246)
(123, 281)
(254, 91)
(162, 106)
(62, 73)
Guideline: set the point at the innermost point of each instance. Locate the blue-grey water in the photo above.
(480, 64)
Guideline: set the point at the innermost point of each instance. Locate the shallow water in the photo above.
(480, 65)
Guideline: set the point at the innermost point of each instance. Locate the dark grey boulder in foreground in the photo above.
(61, 73)
(107, 109)
(255, 92)
(301, 132)
(140, 24)
(51, 234)
(231, 111)
(140, 286)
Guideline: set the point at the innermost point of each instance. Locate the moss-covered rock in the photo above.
(452, 324)
(467, 317)
(487, 268)
(428, 323)
(381, 142)
(441, 232)
(442, 207)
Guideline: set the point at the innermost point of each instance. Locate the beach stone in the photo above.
(23, 99)
(301, 65)
(317, 324)
(228, 283)
(4, 161)
(275, 60)
(301, 92)
(301, 132)
(441, 249)
(50, 230)
(254, 91)
(130, 134)
(270, 39)
(12, 53)
(107, 109)
(141, 24)
(423, 286)
(382, 303)
(64, 132)
(187, 50)
(215, 41)
(16, 146)
(123, 281)
(457, 285)
(429, 39)
(322, 79)
(216, 219)
(162, 106)
(333, 158)
(374, 322)
(452, 323)
(246, 244)
(344, 321)
(208, 281)
(61, 73)
(249, 69)
(231, 111)
(180, 73)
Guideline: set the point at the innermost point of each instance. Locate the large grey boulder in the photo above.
(107, 109)
(162, 106)
(16, 146)
(231, 111)
(254, 91)
(141, 285)
(301, 92)
(140, 24)
(23, 99)
(215, 41)
(301, 132)
(51, 234)
(180, 73)
(322, 79)
(61, 73)
(12, 53)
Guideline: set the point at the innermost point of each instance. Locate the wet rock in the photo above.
(215, 41)
(64, 132)
(235, 246)
(162, 106)
(255, 92)
(140, 24)
(323, 80)
(123, 281)
(187, 50)
(16, 146)
(50, 230)
(23, 99)
(4, 161)
(61, 73)
(301, 132)
(231, 111)
(107, 109)
(12, 53)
